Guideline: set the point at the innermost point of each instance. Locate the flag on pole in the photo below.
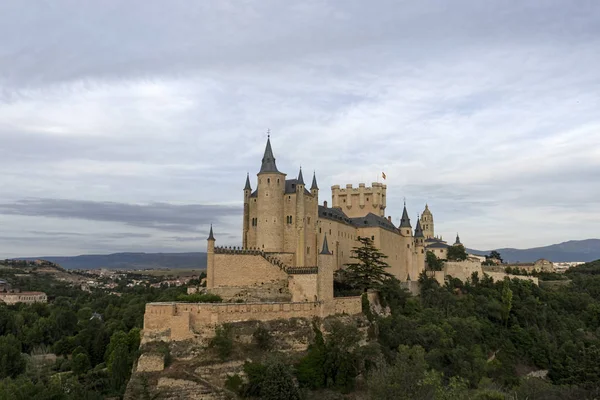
(383, 175)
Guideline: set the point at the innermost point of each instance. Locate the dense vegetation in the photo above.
(473, 340)
(95, 337)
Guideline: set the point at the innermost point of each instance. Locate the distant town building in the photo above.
(541, 265)
(14, 297)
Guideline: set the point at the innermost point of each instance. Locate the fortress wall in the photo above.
(499, 276)
(303, 287)
(462, 269)
(269, 291)
(289, 259)
(347, 305)
(245, 270)
(341, 239)
(180, 321)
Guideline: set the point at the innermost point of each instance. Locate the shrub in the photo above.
(263, 338)
(222, 341)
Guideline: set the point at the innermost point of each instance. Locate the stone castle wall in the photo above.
(245, 270)
(181, 321)
(303, 287)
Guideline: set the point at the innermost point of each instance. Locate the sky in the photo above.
(130, 126)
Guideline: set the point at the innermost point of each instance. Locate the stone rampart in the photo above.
(499, 276)
(245, 269)
(180, 321)
(462, 269)
(303, 286)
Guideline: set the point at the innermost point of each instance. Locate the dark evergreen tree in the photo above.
(369, 270)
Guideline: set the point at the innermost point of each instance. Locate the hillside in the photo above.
(573, 250)
(130, 261)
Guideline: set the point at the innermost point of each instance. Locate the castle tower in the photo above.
(246, 224)
(325, 274)
(210, 260)
(419, 249)
(457, 241)
(314, 189)
(301, 249)
(406, 244)
(269, 208)
(427, 223)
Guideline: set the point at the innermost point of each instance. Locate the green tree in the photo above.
(433, 263)
(80, 364)
(507, 298)
(404, 379)
(12, 362)
(456, 253)
(279, 383)
(370, 269)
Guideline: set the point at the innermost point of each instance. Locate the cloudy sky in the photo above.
(130, 126)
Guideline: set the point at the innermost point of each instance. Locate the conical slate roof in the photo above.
(248, 187)
(314, 182)
(325, 246)
(268, 160)
(457, 240)
(210, 235)
(418, 229)
(405, 221)
(300, 178)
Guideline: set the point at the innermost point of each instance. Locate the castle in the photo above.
(284, 223)
(291, 248)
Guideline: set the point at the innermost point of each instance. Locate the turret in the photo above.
(269, 206)
(427, 223)
(314, 189)
(407, 245)
(419, 249)
(210, 259)
(301, 249)
(405, 226)
(246, 220)
(325, 274)
(457, 242)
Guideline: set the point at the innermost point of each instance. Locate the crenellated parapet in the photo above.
(361, 200)
(302, 270)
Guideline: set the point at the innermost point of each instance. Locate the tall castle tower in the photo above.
(271, 188)
(406, 243)
(246, 224)
(300, 220)
(427, 223)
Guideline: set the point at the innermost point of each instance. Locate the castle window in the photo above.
(308, 250)
(408, 246)
(269, 181)
(308, 220)
(367, 199)
(319, 230)
(372, 237)
(330, 231)
(278, 182)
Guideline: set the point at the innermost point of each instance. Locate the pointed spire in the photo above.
(314, 182)
(418, 229)
(457, 239)
(210, 235)
(325, 246)
(247, 187)
(268, 160)
(405, 221)
(300, 177)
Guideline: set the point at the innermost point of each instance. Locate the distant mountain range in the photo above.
(574, 250)
(130, 261)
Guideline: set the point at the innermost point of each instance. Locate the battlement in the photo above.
(360, 201)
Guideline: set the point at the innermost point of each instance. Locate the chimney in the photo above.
(325, 204)
(390, 218)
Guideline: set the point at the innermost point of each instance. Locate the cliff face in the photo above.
(195, 369)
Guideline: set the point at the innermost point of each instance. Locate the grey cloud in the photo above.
(160, 216)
